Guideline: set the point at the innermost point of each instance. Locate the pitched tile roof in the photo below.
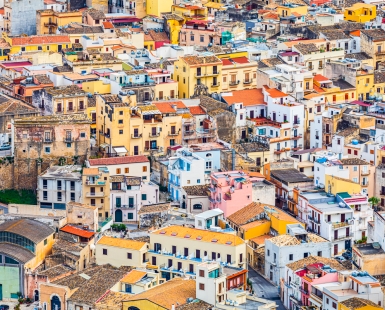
(134, 276)
(358, 303)
(159, 36)
(77, 231)
(196, 304)
(121, 243)
(173, 292)
(40, 40)
(118, 160)
(374, 34)
(95, 14)
(90, 171)
(210, 104)
(274, 93)
(306, 49)
(247, 97)
(10, 105)
(168, 107)
(197, 110)
(196, 190)
(246, 214)
(320, 78)
(199, 235)
(154, 208)
(299, 264)
(201, 60)
(16, 251)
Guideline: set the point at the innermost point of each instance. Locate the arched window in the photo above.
(208, 155)
(133, 308)
(197, 206)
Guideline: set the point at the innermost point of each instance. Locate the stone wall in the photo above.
(23, 16)
(7, 175)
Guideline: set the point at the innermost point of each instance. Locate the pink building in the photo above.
(231, 191)
(313, 274)
(199, 32)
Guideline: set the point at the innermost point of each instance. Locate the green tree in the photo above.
(374, 201)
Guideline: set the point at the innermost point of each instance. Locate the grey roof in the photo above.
(358, 56)
(16, 252)
(289, 176)
(312, 150)
(342, 84)
(30, 229)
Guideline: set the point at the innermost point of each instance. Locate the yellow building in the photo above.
(156, 7)
(292, 9)
(332, 90)
(365, 84)
(250, 222)
(5, 49)
(48, 21)
(189, 12)
(373, 44)
(356, 303)
(360, 13)
(140, 129)
(191, 71)
(51, 43)
(99, 86)
(174, 25)
(96, 190)
(340, 185)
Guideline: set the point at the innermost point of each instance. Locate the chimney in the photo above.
(172, 307)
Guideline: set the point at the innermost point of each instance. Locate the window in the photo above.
(208, 164)
(305, 255)
(144, 196)
(118, 171)
(202, 273)
(144, 168)
(202, 38)
(47, 150)
(334, 305)
(327, 301)
(45, 241)
(201, 286)
(120, 121)
(192, 38)
(104, 251)
(45, 195)
(120, 131)
(290, 256)
(197, 206)
(129, 255)
(72, 196)
(268, 252)
(59, 196)
(319, 253)
(126, 170)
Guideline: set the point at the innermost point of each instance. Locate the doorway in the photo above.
(55, 303)
(118, 216)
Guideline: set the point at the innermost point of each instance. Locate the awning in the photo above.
(361, 103)
(120, 150)
(104, 145)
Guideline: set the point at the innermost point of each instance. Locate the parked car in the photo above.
(5, 147)
(340, 258)
(347, 255)
(4, 307)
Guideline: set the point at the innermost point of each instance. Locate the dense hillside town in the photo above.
(192, 154)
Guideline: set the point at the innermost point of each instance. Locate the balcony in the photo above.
(379, 53)
(99, 205)
(93, 182)
(50, 24)
(217, 84)
(297, 137)
(129, 206)
(303, 291)
(138, 136)
(233, 83)
(249, 81)
(154, 134)
(47, 141)
(382, 192)
(189, 132)
(173, 133)
(68, 139)
(199, 74)
(151, 148)
(95, 194)
(365, 184)
(214, 73)
(363, 172)
(317, 137)
(338, 225)
(342, 237)
(279, 151)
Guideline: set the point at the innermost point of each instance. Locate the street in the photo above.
(264, 289)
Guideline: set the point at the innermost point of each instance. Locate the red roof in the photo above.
(320, 78)
(236, 60)
(355, 33)
(167, 107)
(197, 110)
(38, 40)
(247, 97)
(318, 89)
(13, 64)
(274, 93)
(108, 25)
(77, 231)
(119, 160)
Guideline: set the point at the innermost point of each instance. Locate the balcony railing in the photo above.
(138, 136)
(50, 24)
(129, 206)
(68, 139)
(337, 225)
(249, 81)
(342, 237)
(95, 194)
(302, 290)
(100, 206)
(297, 137)
(214, 73)
(233, 83)
(151, 148)
(217, 84)
(380, 53)
(365, 183)
(152, 134)
(47, 141)
(363, 172)
(175, 133)
(90, 182)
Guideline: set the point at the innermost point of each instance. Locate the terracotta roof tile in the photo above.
(39, 40)
(274, 93)
(77, 231)
(134, 276)
(197, 110)
(320, 78)
(359, 303)
(299, 264)
(196, 190)
(247, 97)
(119, 160)
(247, 214)
(108, 25)
(121, 243)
